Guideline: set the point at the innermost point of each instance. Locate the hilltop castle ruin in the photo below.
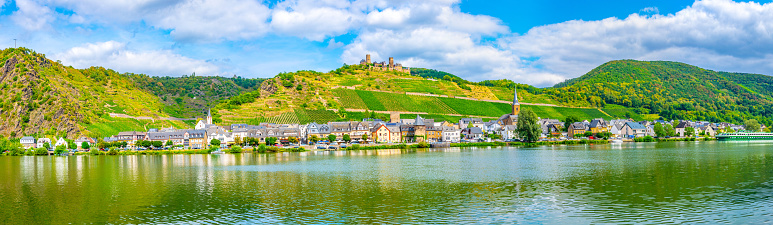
(383, 66)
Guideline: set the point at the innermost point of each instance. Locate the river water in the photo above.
(676, 182)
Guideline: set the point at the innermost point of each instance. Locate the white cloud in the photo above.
(32, 16)
(214, 20)
(315, 23)
(115, 55)
(452, 51)
(714, 34)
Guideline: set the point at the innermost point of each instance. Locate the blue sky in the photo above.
(529, 41)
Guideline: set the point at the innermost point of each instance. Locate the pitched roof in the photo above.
(682, 125)
(635, 126)
(419, 121)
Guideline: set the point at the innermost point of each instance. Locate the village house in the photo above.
(451, 134)
(681, 127)
(60, 141)
(472, 134)
(577, 128)
(42, 141)
(598, 125)
(633, 130)
(28, 142)
(476, 122)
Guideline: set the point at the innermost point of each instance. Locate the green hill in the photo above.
(354, 92)
(671, 89)
(44, 98)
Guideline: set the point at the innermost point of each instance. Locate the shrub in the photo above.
(41, 151)
(354, 147)
(262, 148)
(422, 145)
(112, 151)
(234, 149)
(94, 152)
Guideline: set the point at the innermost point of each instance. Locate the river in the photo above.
(674, 182)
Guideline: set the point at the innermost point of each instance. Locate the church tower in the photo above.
(516, 105)
(209, 116)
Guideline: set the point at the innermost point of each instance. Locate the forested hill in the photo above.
(191, 96)
(673, 90)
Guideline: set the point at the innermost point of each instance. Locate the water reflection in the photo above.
(704, 182)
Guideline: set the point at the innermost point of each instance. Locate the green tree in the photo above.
(314, 139)
(689, 131)
(71, 144)
(751, 125)
(85, 145)
(670, 130)
(331, 138)
(292, 139)
(157, 144)
(528, 128)
(169, 143)
(570, 120)
(46, 145)
(215, 142)
(271, 141)
(60, 149)
(767, 129)
(660, 131)
(365, 137)
(41, 151)
(346, 138)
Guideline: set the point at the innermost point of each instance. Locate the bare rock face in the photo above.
(268, 87)
(33, 103)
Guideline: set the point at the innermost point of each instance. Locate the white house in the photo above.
(508, 132)
(42, 141)
(60, 141)
(28, 142)
(451, 134)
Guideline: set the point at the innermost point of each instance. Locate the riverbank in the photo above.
(263, 149)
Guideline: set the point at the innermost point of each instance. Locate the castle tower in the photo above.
(209, 116)
(367, 59)
(516, 105)
(391, 62)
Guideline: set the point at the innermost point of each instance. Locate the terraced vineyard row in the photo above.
(382, 101)
(480, 108)
(284, 118)
(317, 116)
(412, 103)
(349, 99)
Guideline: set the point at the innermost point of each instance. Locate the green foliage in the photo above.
(528, 128)
(672, 90)
(331, 138)
(95, 152)
(262, 148)
(60, 149)
(570, 120)
(215, 142)
(85, 145)
(644, 139)
(689, 131)
(41, 151)
(752, 125)
(112, 151)
(234, 149)
(271, 141)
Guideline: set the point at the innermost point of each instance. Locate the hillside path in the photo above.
(120, 115)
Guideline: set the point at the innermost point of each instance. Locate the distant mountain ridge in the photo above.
(673, 90)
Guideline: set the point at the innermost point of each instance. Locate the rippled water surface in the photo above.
(706, 182)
